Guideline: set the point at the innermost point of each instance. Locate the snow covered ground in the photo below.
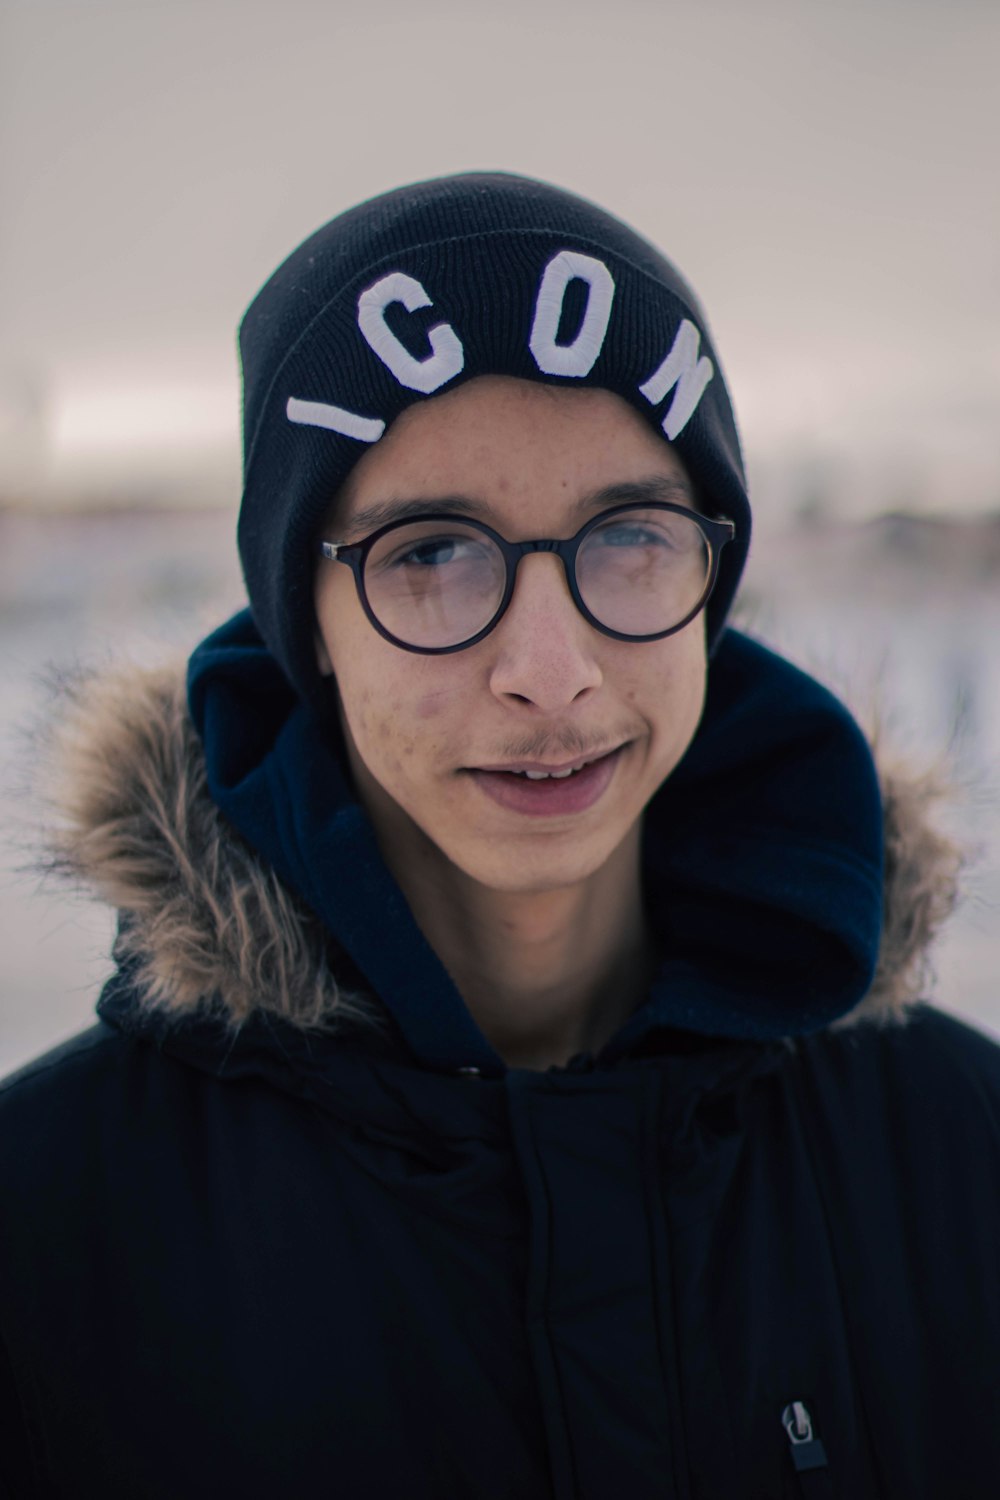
(895, 616)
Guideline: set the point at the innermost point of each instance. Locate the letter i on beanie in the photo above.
(420, 289)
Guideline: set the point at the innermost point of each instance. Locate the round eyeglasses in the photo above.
(439, 583)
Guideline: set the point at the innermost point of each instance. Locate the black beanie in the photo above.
(416, 291)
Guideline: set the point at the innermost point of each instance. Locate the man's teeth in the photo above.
(545, 775)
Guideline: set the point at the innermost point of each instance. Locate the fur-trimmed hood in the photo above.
(205, 917)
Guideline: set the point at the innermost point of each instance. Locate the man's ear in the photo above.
(322, 656)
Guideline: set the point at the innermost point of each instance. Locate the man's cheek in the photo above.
(431, 705)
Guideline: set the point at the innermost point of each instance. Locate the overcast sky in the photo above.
(826, 176)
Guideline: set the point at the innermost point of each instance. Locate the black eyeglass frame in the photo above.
(717, 532)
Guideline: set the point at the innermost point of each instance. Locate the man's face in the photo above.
(436, 743)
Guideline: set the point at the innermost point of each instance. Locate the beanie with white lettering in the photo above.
(414, 292)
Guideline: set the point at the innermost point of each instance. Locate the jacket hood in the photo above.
(787, 894)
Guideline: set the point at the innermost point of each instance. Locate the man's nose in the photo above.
(544, 649)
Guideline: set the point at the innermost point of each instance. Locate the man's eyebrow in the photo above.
(384, 512)
(666, 487)
(663, 487)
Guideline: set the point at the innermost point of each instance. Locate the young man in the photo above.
(513, 1082)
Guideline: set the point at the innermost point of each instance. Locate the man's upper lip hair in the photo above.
(541, 765)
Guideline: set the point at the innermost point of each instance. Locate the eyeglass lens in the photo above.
(435, 584)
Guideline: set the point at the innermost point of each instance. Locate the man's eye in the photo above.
(428, 554)
(634, 536)
(435, 552)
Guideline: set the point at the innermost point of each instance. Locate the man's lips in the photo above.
(583, 782)
(547, 768)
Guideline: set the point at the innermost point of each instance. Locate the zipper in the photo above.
(809, 1460)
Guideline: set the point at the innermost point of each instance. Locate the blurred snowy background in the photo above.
(824, 175)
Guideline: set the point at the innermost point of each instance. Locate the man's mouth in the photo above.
(539, 771)
(535, 788)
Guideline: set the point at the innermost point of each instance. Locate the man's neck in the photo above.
(545, 974)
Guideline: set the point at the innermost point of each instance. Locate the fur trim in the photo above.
(922, 869)
(207, 918)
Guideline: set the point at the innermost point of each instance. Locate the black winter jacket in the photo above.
(254, 1245)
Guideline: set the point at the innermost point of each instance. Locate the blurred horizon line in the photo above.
(155, 499)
